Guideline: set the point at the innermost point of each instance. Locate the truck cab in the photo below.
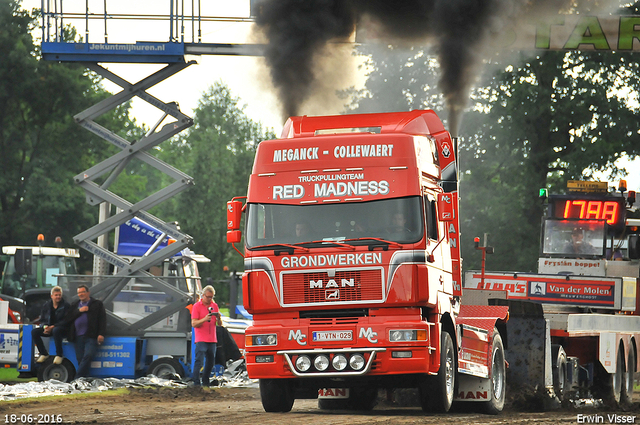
(29, 274)
(352, 267)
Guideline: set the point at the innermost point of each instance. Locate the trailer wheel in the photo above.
(63, 372)
(166, 367)
(559, 371)
(498, 376)
(612, 382)
(436, 392)
(627, 384)
(276, 394)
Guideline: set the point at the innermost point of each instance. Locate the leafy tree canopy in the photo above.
(218, 153)
(41, 146)
(535, 122)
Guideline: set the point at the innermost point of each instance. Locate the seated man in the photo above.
(51, 317)
(302, 229)
(398, 223)
(578, 245)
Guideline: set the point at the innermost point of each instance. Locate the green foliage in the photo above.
(218, 153)
(536, 123)
(42, 148)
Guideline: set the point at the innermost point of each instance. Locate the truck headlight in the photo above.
(356, 361)
(401, 335)
(321, 362)
(303, 363)
(339, 362)
(261, 340)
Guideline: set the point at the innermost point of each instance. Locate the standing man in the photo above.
(51, 317)
(205, 334)
(88, 320)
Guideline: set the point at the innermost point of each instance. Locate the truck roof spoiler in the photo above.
(417, 122)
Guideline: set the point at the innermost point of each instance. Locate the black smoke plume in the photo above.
(297, 31)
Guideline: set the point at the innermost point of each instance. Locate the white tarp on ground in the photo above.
(234, 376)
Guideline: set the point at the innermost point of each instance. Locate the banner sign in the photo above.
(602, 292)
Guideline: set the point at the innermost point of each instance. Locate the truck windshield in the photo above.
(395, 220)
(574, 238)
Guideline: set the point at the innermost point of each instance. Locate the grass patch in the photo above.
(10, 375)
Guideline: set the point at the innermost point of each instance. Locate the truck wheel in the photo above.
(166, 367)
(498, 375)
(627, 384)
(559, 371)
(436, 392)
(63, 372)
(276, 394)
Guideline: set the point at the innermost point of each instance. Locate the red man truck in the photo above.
(352, 268)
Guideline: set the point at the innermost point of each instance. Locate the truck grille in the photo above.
(346, 286)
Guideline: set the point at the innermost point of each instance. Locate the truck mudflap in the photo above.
(476, 325)
(528, 346)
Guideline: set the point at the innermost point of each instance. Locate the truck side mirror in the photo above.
(445, 207)
(234, 214)
(23, 260)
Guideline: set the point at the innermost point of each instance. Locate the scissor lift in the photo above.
(91, 55)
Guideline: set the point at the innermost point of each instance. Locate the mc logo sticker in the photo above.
(369, 334)
(298, 336)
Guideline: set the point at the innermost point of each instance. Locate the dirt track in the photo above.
(232, 406)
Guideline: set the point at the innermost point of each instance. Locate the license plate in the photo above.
(333, 336)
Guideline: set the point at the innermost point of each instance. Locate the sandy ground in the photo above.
(232, 406)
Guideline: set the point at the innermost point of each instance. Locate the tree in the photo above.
(41, 146)
(218, 153)
(556, 117)
(550, 118)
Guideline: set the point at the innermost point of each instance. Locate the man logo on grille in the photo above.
(332, 294)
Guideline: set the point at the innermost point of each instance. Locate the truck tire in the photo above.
(498, 376)
(276, 394)
(559, 371)
(627, 383)
(166, 367)
(436, 392)
(63, 372)
(616, 379)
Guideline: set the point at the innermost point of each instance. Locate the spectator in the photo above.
(51, 318)
(205, 334)
(88, 324)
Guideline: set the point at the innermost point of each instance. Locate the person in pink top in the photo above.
(204, 316)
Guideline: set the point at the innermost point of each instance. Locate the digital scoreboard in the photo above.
(610, 209)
